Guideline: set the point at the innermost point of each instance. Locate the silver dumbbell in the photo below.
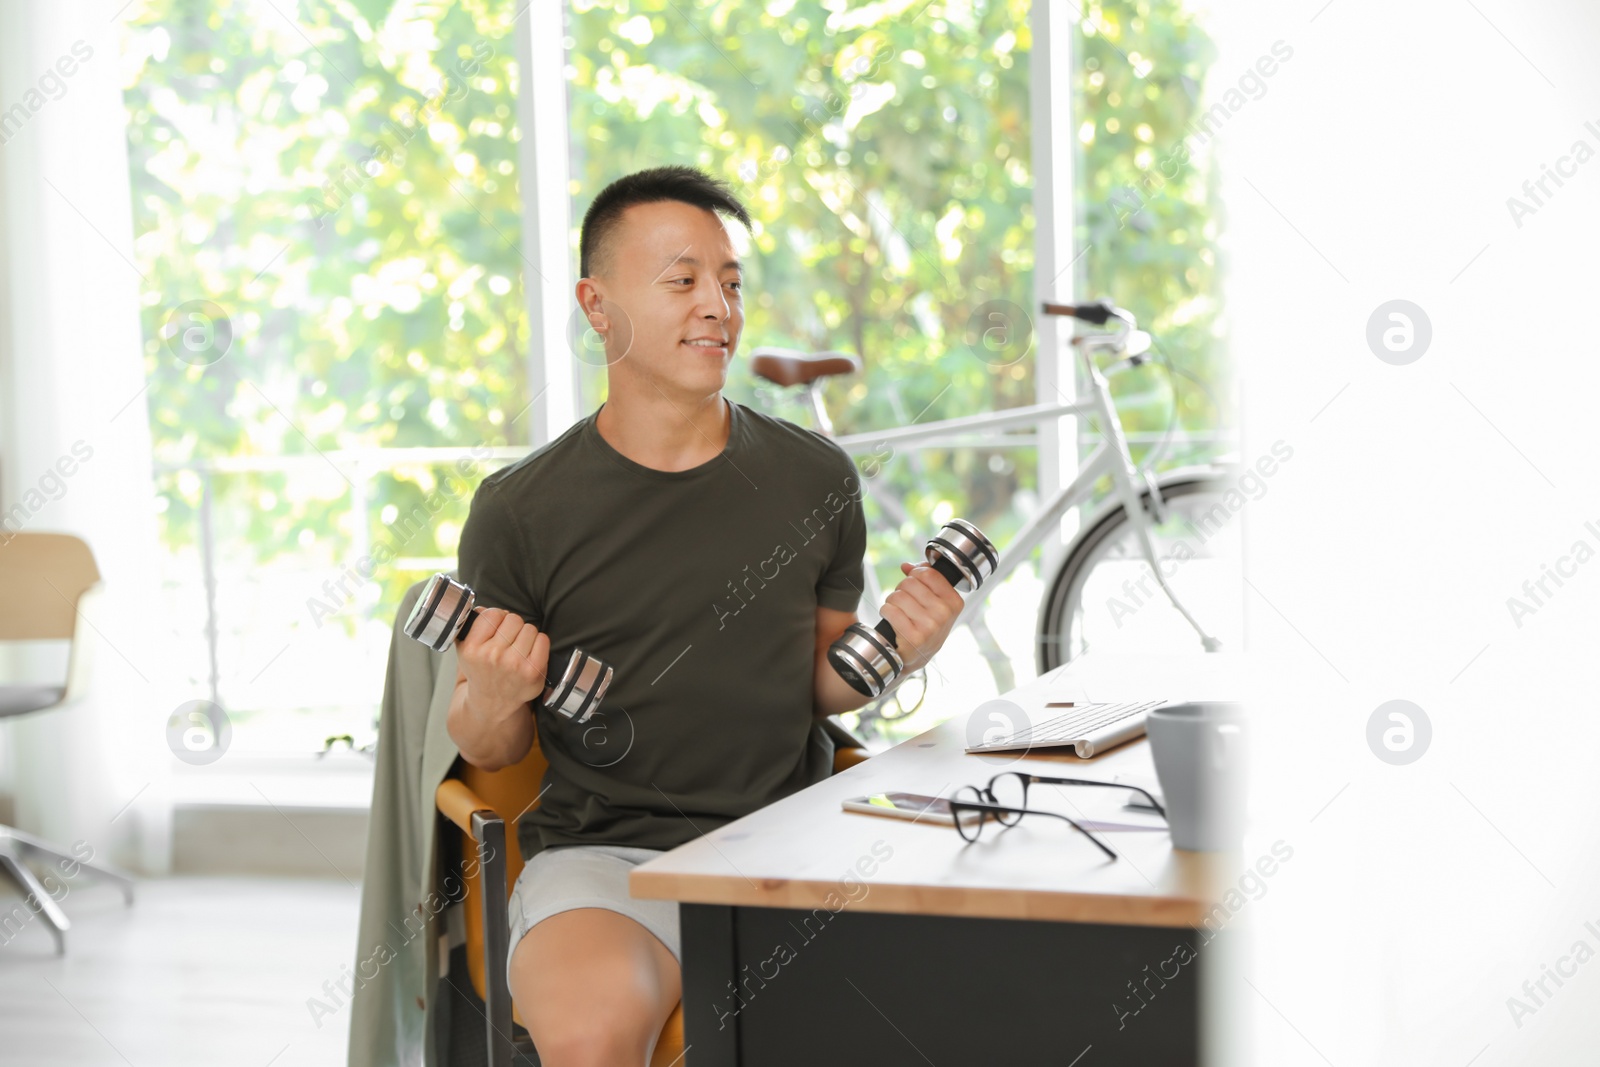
(445, 612)
(868, 658)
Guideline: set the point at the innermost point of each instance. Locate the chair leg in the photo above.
(490, 832)
(40, 899)
(46, 850)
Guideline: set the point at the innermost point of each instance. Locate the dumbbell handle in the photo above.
(466, 624)
(944, 567)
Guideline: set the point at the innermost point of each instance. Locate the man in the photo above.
(710, 554)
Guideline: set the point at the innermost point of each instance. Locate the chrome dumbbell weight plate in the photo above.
(580, 688)
(964, 547)
(866, 658)
(442, 613)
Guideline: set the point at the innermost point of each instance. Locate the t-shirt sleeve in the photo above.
(841, 582)
(492, 557)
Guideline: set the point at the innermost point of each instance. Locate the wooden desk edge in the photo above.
(890, 897)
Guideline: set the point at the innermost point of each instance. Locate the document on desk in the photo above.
(1097, 826)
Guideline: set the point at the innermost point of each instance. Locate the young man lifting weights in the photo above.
(634, 536)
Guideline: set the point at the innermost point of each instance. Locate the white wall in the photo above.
(71, 371)
(1377, 166)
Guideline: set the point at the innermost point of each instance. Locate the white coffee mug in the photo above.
(1200, 762)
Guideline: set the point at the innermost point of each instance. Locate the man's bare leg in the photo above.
(593, 987)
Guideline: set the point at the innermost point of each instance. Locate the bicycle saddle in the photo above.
(789, 366)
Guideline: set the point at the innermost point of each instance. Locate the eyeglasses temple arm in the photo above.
(1101, 845)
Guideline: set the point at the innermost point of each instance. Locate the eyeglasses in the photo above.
(1005, 799)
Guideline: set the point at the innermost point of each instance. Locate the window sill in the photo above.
(339, 781)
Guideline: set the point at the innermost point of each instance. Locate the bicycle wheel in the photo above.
(1105, 597)
(901, 701)
(905, 698)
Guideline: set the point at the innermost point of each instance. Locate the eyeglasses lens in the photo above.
(969, 824)
(1011, 791)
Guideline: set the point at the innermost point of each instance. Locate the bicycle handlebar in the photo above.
(1096, 314)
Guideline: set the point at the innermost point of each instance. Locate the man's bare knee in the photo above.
(591, 1043)
(593, 987)
(599, 1026)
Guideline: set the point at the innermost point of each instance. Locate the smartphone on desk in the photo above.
(914, 806)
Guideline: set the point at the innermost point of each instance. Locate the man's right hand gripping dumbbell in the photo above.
(500, 673)
(503, 671)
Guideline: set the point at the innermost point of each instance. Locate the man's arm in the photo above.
(502, 660)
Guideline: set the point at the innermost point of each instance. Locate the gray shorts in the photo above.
(564, 877)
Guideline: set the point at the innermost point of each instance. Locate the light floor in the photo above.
(202, 971)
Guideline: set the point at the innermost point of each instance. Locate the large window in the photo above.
(328, 216)
(1147, 215)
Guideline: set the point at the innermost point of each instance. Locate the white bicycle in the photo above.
(1157, 544)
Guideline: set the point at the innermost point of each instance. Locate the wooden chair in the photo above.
(480, 804)
(45, 576)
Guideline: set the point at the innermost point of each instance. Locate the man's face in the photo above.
(669, 291)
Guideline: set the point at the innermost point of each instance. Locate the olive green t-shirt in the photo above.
(700, 588)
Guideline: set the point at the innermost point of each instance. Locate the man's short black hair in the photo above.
(648, 187)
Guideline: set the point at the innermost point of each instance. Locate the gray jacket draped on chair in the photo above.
(402, 931)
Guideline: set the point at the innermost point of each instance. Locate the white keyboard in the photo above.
(1088, 728)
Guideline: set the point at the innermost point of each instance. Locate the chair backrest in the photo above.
(43, 575)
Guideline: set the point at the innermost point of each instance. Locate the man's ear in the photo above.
(591, 303)
(608, 319)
